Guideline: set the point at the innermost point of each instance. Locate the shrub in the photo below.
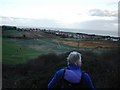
(103, 69)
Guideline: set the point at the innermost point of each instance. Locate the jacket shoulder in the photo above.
(59, 73)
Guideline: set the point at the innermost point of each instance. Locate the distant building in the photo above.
(115, 38)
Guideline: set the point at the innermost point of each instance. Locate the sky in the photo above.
(78, 14)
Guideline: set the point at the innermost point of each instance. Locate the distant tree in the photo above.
(9, 27)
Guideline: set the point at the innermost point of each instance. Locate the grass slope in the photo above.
(13, 53)
(12, 32)
(17, 51)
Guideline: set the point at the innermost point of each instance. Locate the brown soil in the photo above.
(90, 44)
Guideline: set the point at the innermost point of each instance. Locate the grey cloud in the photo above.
(101, 13)
(115, 2)
(30, 22)
(100, 27)
(97, 25)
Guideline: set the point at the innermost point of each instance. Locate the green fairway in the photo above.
(19, 51)
(13, 53)
(46, 45)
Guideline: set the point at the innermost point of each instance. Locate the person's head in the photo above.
(74, 58)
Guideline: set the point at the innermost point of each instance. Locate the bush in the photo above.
(103, 69)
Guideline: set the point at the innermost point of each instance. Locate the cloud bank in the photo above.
(30, 22)
(102, 13)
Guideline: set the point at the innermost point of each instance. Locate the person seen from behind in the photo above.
(72, 74)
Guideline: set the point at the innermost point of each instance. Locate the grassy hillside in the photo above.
(12, 53)
(12, 32)
(17, 51)
(32, 62)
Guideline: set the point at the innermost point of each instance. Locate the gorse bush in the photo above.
(103, 69)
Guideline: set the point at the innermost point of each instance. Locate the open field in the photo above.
(34, 59)
(11, 33)
(19, 51)
(90, 44)
(13, 53)
(16, 51)
(67, 41)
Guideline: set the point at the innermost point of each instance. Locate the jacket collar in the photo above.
(74, 67)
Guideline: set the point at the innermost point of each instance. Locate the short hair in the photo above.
(73, 57)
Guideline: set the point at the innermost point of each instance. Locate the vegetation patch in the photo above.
(13, 53)
(103, 69)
